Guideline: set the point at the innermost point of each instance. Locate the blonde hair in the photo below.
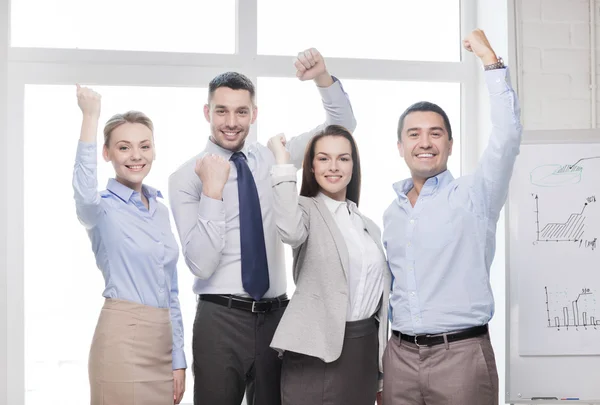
(132, 117)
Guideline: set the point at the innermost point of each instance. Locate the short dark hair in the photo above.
(424, 106)
(310, 187)
(232, 80)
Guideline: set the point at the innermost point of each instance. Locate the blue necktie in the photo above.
(255, 270)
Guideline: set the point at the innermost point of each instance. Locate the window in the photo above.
(54, 288)
(63, 286)
(426, 30)
(133, 25)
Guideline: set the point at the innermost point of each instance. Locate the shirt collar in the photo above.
(334, 205)
(213, 148)
(430, 187)
(125, 193)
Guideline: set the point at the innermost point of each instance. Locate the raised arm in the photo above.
(492, 177)
(85, 177)
(310, 65)
(196, 199)
(291, 220)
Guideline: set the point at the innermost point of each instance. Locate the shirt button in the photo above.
(412, 221)
(161, 290)
(411, 269)
(413, 293)
(408, 244)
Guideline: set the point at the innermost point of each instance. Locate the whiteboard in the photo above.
(553, 258)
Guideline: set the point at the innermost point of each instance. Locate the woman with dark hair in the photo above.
(334, 330)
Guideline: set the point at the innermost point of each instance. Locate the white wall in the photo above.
(4, 195)
(555, 63)
(552, 68)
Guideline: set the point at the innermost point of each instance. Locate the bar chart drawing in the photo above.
(569, 231)
(578, 312)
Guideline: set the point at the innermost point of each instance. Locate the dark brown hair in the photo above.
(232, 80)
(310, 187)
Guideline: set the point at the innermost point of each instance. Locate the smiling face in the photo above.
(130, 149)
(230, 114)
(425, 144)
(332, 166)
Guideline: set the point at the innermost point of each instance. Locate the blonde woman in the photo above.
(137, 351)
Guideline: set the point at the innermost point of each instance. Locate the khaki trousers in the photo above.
(461, 373)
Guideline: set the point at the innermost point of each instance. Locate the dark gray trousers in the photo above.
(349, 380)
(232, 356)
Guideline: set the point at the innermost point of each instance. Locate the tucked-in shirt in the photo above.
(209, 229)
(440, 251)
(134, 246)
(367, 264)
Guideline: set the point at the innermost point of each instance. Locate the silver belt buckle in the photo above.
(254, 311)
(417, 341)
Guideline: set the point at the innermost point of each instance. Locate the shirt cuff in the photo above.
(211, 209)
(283, 170)
(179, 359)
(87, 152)
(498, 80)
(330, 94)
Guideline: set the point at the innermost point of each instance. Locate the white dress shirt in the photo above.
(367, 264)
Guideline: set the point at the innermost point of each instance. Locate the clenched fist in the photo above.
(277, 145)
(478, 43)
(311, 65)
(88, 101)
(213, 171)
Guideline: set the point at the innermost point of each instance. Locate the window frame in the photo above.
(133, 68)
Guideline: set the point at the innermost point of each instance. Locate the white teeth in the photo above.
(425, 155)
(135, 167)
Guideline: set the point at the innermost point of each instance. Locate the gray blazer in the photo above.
(315, 319)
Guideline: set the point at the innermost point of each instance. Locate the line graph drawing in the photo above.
(570, 230)
(556, 175)
(563, 312)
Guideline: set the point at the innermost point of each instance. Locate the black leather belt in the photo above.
(247, 304)
(438, 339)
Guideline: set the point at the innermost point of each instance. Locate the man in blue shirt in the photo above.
(440, 238)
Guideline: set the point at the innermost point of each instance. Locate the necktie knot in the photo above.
(237, 156)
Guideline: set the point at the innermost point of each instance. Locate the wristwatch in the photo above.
(498, 65)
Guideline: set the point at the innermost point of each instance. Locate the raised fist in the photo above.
(277, 146)
(89, 101)
(310, 65)
(213, 171)
(478, 43)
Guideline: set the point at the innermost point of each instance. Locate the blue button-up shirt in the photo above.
(134, 246)
(440, 251)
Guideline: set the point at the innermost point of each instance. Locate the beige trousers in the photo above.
(462, 373)
(131, 355)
